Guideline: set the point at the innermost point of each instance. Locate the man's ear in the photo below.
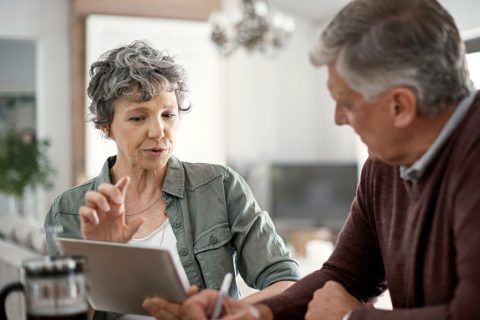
(403, 106)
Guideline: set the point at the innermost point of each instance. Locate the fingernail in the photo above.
(96, 220)
(147, 307)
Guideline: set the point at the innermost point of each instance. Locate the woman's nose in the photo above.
(340, 116)
(156, 129)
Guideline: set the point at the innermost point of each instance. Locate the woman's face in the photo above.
(145, 132)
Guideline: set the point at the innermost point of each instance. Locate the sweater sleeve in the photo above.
(356, 262)
(464, 195)
(466, 229)
(464, 210)
(466, 225)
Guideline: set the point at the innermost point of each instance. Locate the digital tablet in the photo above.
(121, 276)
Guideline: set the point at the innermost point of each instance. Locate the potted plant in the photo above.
(23, 164)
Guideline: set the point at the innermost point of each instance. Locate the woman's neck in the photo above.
(142, 182)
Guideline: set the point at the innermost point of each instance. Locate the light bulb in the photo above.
(261, 8)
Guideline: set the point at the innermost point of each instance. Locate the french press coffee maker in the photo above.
(54, 288)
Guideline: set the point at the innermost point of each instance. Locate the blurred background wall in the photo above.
(263, 109)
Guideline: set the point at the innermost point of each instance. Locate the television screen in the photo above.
(318, 194)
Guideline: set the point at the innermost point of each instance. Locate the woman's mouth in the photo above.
(155, 152)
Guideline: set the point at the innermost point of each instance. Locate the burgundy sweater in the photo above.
(421, 239)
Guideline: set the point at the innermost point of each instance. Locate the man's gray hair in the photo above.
(136, 72)
(380, 44)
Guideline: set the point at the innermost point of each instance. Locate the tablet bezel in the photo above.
(120, 276)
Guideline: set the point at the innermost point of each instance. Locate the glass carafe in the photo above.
(54, 288)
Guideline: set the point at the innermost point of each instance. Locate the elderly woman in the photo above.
(204, 214)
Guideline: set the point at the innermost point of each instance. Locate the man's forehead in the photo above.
(333, 83)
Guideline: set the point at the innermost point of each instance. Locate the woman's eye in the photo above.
(136, 118)
(169, 115)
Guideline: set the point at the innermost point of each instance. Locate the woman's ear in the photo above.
(403, 106)
(106, 132)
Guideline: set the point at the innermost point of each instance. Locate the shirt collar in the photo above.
(416, 170)
(174, 179)
(174, 182)
(104, 176)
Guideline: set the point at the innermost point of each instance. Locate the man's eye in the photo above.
(345, 106)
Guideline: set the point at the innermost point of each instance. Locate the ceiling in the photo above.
(317, 10)
(465, 12)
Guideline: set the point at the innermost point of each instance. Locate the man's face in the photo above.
(371, 120)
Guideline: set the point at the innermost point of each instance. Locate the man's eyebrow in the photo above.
(335, 94)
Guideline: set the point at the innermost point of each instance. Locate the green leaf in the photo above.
(23, 163)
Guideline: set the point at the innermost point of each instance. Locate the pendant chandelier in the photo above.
(255, 29)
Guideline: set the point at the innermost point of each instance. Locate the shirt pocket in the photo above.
(214, 253)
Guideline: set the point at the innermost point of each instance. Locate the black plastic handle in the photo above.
(16, 286)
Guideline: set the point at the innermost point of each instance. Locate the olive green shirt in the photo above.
(217, 222)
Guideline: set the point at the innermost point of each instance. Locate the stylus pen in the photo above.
(227, 280)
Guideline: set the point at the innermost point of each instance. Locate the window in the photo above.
(473, 60)
(202, 133)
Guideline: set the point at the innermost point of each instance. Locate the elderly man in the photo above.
(398, 74)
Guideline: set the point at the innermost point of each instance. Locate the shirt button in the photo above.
(183, 252)
(213, 240)
(177, 224)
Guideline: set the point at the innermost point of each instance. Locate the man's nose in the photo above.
(340, 116)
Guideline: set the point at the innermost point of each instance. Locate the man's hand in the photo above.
(331, 302)
(166, 310)
(200, 307)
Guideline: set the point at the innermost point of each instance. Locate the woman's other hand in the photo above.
(164, 309)
(102, 217)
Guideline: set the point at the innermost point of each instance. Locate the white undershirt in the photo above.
(163, 238)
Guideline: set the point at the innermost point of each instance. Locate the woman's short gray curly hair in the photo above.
(378, 44)
(136, 72)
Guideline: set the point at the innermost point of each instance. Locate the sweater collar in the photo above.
(417, 169)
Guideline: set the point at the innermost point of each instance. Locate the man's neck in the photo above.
(424, 131)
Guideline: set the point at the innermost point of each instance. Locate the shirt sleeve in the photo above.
(62, 220)
(261, 256)
(50, 231)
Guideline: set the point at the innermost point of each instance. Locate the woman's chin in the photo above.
(154, 163)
